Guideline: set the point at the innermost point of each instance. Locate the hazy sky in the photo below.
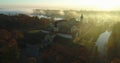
(75, 4)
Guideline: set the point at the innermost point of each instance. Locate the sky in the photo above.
(70, 4)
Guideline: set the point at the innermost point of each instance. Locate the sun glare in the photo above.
(95, 4)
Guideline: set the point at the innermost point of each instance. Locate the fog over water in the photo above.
(15, 11)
